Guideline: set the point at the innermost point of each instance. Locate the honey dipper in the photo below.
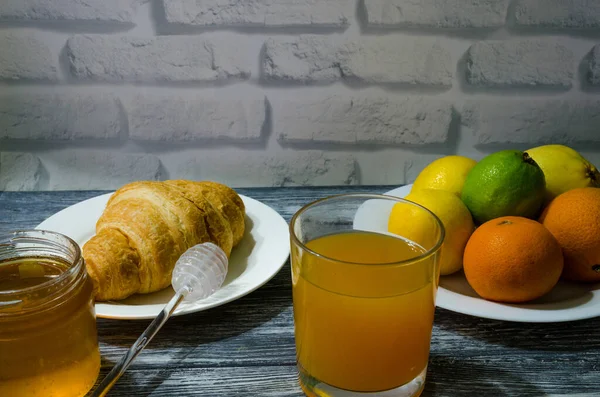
(198, 273)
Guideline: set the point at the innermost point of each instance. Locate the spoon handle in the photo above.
(145, 338)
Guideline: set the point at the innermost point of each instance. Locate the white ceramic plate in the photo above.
(254, 261)
(566, 302)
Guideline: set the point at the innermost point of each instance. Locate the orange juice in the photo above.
(363, 320)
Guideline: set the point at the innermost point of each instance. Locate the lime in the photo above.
(505, 183)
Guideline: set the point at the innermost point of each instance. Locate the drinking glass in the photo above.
(364, 298)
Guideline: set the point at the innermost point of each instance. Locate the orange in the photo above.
(512, 259)
(574, 219)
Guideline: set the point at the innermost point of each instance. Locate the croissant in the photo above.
(147, 225)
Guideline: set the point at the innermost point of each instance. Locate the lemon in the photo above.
(564, 168)
(414, 224)
(447, 173)
(505, 183)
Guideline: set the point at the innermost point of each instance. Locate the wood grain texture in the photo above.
(246, 348)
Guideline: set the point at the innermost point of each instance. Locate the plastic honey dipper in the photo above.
(198, 273)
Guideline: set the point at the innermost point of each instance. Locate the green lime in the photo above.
(505, 183)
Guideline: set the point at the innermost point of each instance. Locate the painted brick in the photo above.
(533, 121)
(330, 13)
(594, 70)
(520, 63)
(168, 118)
(381, 167)
(115, 11)
(290, 168)
(158, 59)
(59, 116)
(25, 56)
(577, 14)
(383, 59)
(363, 119)
(91, 169)
(19, 171)
(437, 13)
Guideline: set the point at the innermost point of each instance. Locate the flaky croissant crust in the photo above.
(147, 225)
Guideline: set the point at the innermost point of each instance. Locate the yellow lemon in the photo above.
(564, 168)
(414, 224)
(447, 173)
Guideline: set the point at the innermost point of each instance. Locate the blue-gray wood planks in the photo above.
(246, 347)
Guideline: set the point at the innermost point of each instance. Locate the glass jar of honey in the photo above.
(48, 335)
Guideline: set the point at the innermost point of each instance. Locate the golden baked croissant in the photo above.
(146, 226)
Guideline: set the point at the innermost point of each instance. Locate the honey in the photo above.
(48, 335)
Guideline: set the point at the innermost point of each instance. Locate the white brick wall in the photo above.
(115, 11)
(25, 56)
(284, 13)
(326, 59)
(97, 93)
(178, 118)
(577, 14)
(62, 116)
(19, 171)
(436, 13)
(307, 167)
(185, 59)
(533, 122)
(91, 169)
(594, 66)
(513, 63)
(361, 119)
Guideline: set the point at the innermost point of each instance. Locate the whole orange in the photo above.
(512, 259)
(574, 219)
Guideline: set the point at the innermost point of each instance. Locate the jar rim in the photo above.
(53, 240)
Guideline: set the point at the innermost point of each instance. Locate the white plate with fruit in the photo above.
(543, 265)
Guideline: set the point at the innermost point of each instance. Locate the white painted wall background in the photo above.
(286, 92)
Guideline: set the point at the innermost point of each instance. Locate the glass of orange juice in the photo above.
(364, 299)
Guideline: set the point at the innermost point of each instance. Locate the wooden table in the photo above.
(246, 348)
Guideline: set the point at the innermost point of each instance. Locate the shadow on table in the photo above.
(187, 335)
(574, 336)
(208, 326)
(448, 376)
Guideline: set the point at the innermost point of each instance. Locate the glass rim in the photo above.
(8, 239)
(417, 258)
